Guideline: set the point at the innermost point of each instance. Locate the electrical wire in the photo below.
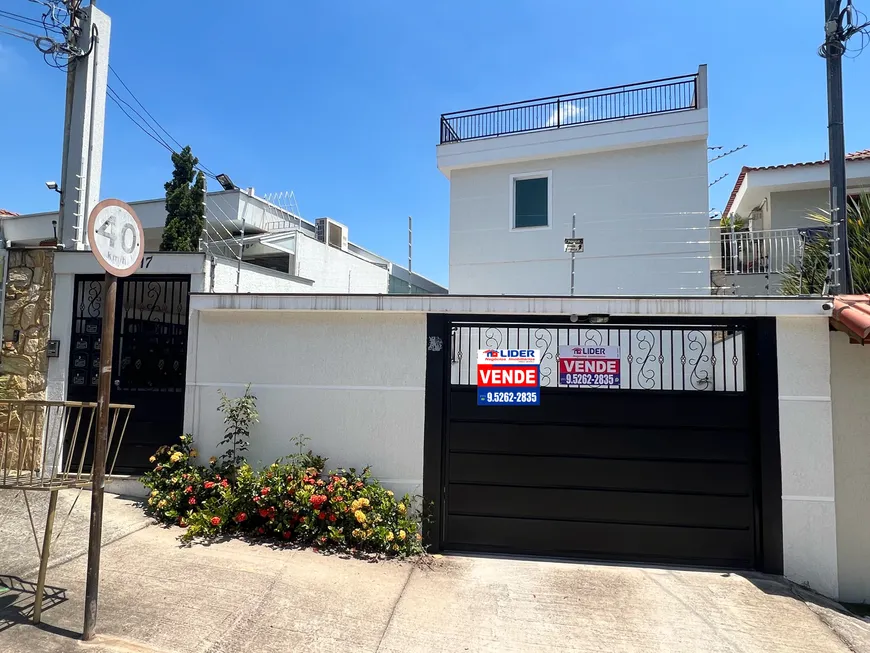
(146, 127)
(205, 169)
(33, 22)
(133, 120)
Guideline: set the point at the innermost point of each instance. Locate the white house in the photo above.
(630, 162)
(772, 203)
(253, 245)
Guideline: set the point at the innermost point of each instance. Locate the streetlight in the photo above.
(52, 185)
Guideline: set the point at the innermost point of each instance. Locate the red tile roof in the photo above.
(7, 213)
(860, 155)
(851, 315)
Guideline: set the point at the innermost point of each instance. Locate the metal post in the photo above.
(410, 242)
(573, 254)
(43, 556)
(834, 49)
(239, 263)
(98, 469)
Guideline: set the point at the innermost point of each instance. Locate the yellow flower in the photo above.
(194, 453)
(152, 459)
(395, 547)
(360, 516)
(174, 458)
(355, 505)
(390, 536)
(401, 508)
(402, 535)
(212, 460)
(161, 503)
(150, 501)
(154, 493)
(369, 532)
(390, 493)
(419, 537)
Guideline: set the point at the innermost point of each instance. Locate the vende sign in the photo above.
(508, 376)
(589, 366)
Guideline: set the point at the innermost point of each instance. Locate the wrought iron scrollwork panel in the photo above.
(654, 357)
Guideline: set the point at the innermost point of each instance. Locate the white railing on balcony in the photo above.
(760, 252)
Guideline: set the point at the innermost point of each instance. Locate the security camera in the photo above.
(574, 318)
(827, 306)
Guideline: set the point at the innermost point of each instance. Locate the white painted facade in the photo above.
(809, 520)
(336, 271)
(850, 387)
(226, 275)
(353, 383)
(638, 187)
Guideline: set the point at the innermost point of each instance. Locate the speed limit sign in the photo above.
(116, 237)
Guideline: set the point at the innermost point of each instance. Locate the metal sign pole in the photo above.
(118, 243)
(98, 470)
(573, 251)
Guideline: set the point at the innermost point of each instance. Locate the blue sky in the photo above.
(340, 101)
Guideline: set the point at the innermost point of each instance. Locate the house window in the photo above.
(530, 194)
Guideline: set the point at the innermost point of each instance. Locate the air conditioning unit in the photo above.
(330, 232)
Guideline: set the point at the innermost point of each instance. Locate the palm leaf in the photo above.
(810, 275)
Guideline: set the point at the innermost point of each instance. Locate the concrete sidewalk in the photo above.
(237, 597)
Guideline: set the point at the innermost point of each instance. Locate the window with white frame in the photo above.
(530, 200)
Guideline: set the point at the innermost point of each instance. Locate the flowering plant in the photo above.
(292, 500)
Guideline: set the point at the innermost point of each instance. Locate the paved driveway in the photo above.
(234, 597)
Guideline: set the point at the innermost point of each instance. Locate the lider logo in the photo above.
(508, 356)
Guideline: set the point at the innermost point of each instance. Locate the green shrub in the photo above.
(292, 500)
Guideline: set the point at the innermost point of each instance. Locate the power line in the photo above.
(204, 168)
(29, 21)
(146, 128)
(133, 120)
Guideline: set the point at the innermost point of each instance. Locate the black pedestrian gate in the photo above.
(678, 464)
(150, 357)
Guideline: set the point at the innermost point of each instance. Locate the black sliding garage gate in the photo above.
(679, 464)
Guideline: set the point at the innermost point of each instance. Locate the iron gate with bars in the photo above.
(652, 357)
(678, 463)
(150, 348)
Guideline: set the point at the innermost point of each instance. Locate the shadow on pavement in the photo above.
(16, 605)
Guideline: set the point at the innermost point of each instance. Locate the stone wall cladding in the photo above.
(24, 360)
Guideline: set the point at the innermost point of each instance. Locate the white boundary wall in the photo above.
(353, 383)
(349, 372)
(809, 521)
(850, 391)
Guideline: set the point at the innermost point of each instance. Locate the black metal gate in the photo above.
(673, 465)
(150, 357)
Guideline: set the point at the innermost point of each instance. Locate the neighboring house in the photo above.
(257, 246)
(772, 203)
(629, 161)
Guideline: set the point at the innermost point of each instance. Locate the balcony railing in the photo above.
(614, 103)
(760, 252)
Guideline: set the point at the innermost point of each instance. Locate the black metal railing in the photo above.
(668, 357)
(614, 103)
